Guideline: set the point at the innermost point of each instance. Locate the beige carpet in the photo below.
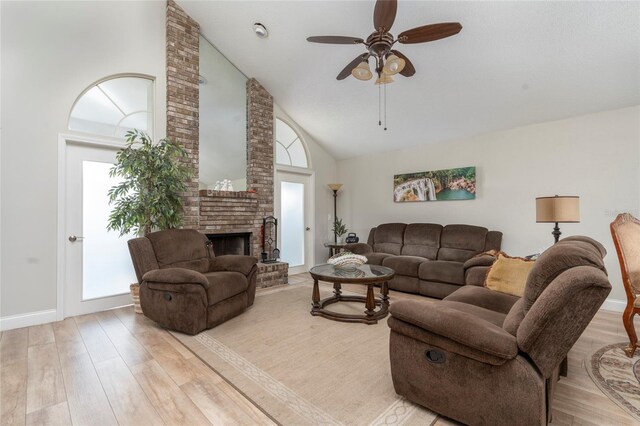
(302, 369)
(617, 375)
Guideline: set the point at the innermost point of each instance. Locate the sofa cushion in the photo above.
(484, 298)
(223, 285)
(388, 238)
(404, 265)
(442, 271)
(493, 317)
(180, 248)
(509, 274)
(376, 258)
(555, 260)
(422, 239)
(461, 242)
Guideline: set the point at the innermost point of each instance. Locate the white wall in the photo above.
(51, 51)
(595, 156)
(326, 171)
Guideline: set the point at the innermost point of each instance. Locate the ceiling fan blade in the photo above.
(384, 14)
(346, 72)
(335, 40)
(408, 69)
(429, 32)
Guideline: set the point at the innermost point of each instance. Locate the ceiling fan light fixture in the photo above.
(393, 65)
(362, 71)
(384, 79)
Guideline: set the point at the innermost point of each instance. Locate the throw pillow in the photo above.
(509, 274)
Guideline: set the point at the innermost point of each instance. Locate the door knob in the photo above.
(308, 229)
(73, 238)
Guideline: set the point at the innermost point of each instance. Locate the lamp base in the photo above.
(556, 233)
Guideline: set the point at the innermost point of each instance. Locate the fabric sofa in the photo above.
(184, 287)
(486, 358)
(428, 258)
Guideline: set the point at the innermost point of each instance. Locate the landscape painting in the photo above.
(436, 185)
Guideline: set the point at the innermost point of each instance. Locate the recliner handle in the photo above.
(434, 356)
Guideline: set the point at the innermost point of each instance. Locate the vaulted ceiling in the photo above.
(514, 63)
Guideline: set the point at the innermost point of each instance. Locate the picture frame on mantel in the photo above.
(435, 185)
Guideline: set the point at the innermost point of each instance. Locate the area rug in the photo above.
(617, 376)
(301, 369)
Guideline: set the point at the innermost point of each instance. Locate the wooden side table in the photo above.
(334, 248)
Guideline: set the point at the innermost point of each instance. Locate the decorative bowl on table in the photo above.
(346, 261)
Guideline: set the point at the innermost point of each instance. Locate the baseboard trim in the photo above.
(27, 320)
(614, 305)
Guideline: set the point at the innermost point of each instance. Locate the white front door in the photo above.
(295, 218)
(97, 266)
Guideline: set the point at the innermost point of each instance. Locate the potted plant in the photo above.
(149, 196)
(339, 229)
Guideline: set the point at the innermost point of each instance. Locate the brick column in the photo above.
(260, 168)
(183, 63)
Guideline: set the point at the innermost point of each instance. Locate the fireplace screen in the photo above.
(270, 252)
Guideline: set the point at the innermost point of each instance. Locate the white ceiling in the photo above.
(513, 63)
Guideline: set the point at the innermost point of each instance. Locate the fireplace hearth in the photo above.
(231, 243)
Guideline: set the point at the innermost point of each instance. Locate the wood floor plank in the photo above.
(13, 376)
(41, 334)
(128, 401)
(173, 405)
(219, 401)
(45, 385)
(131, 351)
(88, 403)
(53, 415)
(95, 339)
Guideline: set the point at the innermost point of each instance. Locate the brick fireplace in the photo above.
(220, 212)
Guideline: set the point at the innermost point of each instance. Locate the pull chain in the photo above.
(379, 107)
(385, 107)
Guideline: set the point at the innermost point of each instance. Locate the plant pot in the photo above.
(135, 295)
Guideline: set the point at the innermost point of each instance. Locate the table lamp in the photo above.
(558, 209)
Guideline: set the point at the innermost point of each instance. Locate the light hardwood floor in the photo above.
(116, 367)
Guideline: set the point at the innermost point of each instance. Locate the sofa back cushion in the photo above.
(460, 243)
(388, 238)
(180, 248)
(422, 239)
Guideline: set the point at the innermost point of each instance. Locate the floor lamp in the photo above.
(558, 209)
(335, 187)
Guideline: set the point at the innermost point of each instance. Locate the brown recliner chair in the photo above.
(465, 359)
(184, 287)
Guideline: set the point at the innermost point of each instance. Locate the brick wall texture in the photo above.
(183, 63)
(219, 211)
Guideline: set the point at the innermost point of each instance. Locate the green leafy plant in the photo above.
(154, 176)
(339, 228)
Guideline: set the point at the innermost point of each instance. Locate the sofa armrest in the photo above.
(477, 268)
(176, 276)
(359, 248)
(480, 260)
(463, 328)
(232, 263)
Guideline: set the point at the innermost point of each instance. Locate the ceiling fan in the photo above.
(380, 43)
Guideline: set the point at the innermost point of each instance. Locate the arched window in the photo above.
(289, 148)
(114, 106)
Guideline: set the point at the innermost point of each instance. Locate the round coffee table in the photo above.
(366, 275)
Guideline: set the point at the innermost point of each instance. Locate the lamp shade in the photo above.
(560, 209)
(384, 79)
(393, 65)
(335, 186)
(362, 71)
